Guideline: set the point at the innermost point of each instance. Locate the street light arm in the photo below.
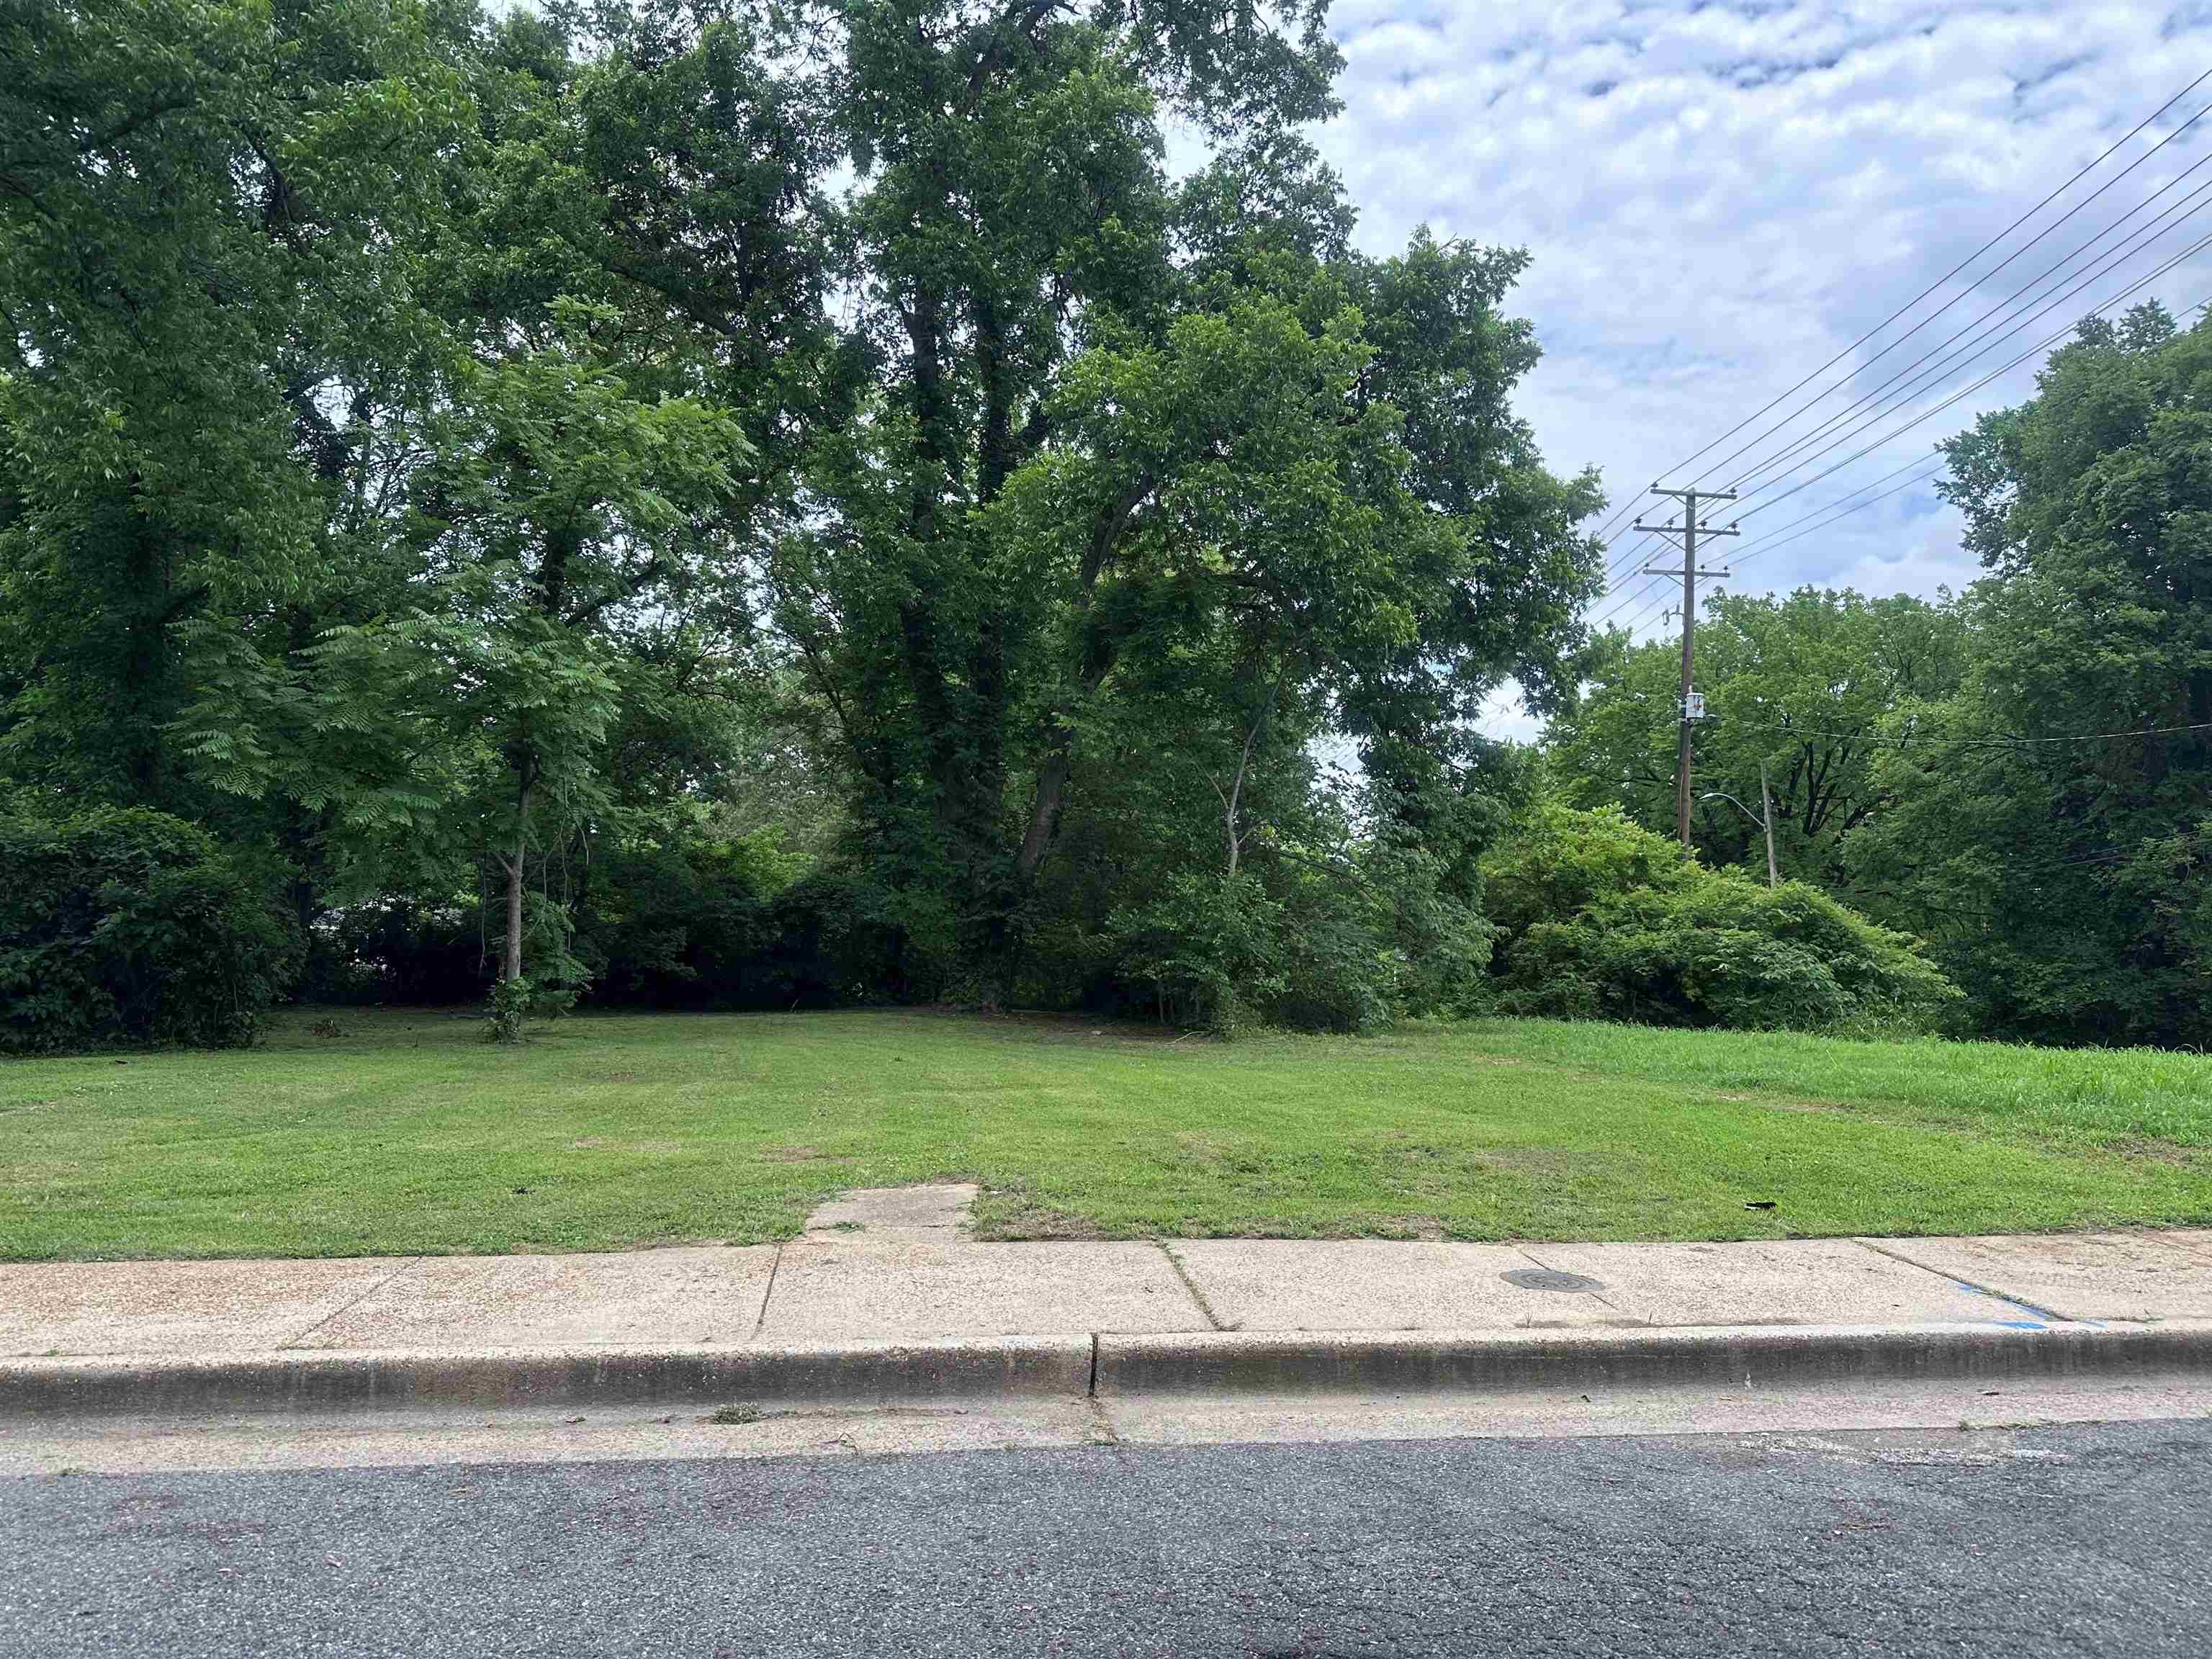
(1722, 795)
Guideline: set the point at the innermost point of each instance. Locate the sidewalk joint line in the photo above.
(1985, 1290)
(1090, 1387)
(774, 1267)
(1188, 1283)
(336, 1313)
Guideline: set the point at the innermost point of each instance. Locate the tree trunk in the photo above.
(1060, 746)
(1232, 803)
(511, 967)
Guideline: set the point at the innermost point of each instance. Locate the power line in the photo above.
(1975, 347)
(1840, 438)
(1964, 391)
(2140, 160)
(1768, 545)
(1768, 542)
(1608, 533)
(1953, 271)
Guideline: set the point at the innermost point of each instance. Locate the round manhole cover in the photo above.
(1543, 1278)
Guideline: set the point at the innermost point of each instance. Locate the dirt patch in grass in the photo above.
(1425, 1228)
(1002, 1215)
(2141, 1149)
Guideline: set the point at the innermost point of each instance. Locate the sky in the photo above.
(1718, 198)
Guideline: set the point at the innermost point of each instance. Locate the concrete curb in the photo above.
(296, 1380)
(1225, 1362)
(1612, 1358)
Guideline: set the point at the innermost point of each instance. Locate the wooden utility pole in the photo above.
(1689, 530)
(1766, 823)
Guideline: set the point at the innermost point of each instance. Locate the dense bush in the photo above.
(130, 926)
(1209, 947)
(1557, 860)
(1317, 950)
(396, 951)
(1639, 932)
(682, 925)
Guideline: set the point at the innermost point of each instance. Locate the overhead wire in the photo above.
(1982, 341)
(1933, 287)
(1752, 550)
(1998, 373)
(1618, 568)
(1744, 554)
(1607, 531)
(2139, 161)
(1891, 405)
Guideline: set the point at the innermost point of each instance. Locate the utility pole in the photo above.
(1766, 823)
(1689, 530)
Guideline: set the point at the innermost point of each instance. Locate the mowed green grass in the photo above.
(408, 1134)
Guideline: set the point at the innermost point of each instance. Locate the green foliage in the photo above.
(684, 923)
(2067, 885)
(1725, 951)
(1210, 947)
(1605, 921)
(1799, 684)
(124, 925)
(477, 464)
(842, 936)
(507, 1011)
(1557, 861)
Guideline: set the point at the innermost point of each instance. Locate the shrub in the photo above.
(395, 950)
(1558, 860)
(124, 925)
(1656, 939)
(682, 926)
(1209, 947)
(506, 1009)
(841, 936)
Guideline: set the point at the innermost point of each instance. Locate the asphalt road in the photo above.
(2090, 1539)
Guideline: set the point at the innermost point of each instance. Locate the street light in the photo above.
(1764, 820)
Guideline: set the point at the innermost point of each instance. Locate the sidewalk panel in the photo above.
(1807, 1281)
(1376, 1284)
(2101, 1276)
(184, 1308)
(683, 1296)
(836, 1292)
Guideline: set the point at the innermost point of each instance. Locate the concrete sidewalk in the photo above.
(891, 1311)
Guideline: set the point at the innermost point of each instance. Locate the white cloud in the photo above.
(1719, 197)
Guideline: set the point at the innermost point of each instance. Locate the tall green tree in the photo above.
(1801, 684)
(198, 207)
(1045, 489)
(2050, 828)
(560, 512)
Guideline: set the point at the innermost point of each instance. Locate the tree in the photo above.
(198, 207)
(2063, 874)
(1800, 684)
(558, 514)
(507, 437)
(1039, 498)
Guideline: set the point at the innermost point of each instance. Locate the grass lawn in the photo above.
(407, 1134)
